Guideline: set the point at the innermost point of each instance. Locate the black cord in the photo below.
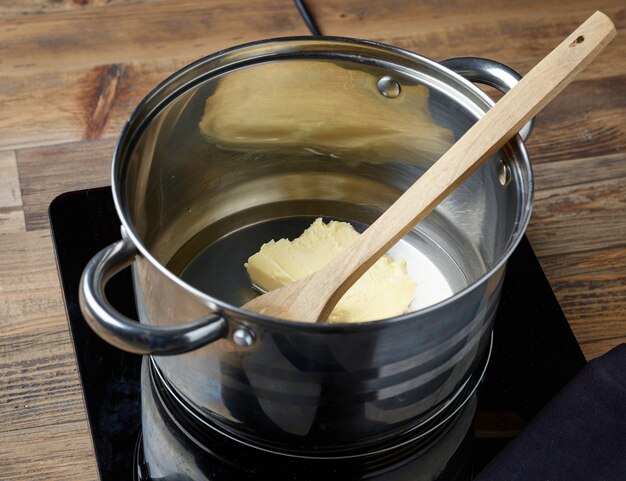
(308, 19)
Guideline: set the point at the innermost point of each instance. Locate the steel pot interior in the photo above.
(245, 140)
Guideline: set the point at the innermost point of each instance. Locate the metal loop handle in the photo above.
(126, 333)
(489, 72)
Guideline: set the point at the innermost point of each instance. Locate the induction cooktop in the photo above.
(534, 354)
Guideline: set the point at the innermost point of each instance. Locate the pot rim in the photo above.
(131, 132)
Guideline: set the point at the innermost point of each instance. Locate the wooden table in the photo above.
(71, 71)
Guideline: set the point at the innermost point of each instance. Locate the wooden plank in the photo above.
(88, 90)
(92, 97)
(44, 432)
(585, 120)
(590, 287)
(10, 8)
(516, 34)
(11, 220)
(58, 452)
(11, 210)
(49, 171)
(74, 105)
(579, 217)
(579, 205)
(126, 33)
(494, 19)
(27, 381)
(31, 297)
(552, 175)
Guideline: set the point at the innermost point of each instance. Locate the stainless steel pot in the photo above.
(251, 144)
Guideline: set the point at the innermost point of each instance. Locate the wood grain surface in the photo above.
(71, 72)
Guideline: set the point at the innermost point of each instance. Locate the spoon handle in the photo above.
(482, 140)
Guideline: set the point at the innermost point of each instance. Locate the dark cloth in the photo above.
(579, 435)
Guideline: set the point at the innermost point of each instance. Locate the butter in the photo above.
(384, 291)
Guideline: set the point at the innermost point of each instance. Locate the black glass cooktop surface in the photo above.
(535, 352)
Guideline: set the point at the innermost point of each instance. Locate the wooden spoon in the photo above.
(312, 298)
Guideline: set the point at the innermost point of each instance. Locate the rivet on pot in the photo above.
(388, 87)
(244, 337)
(504, 173)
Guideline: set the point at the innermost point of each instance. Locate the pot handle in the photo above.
(489, 72)
(125, 333)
